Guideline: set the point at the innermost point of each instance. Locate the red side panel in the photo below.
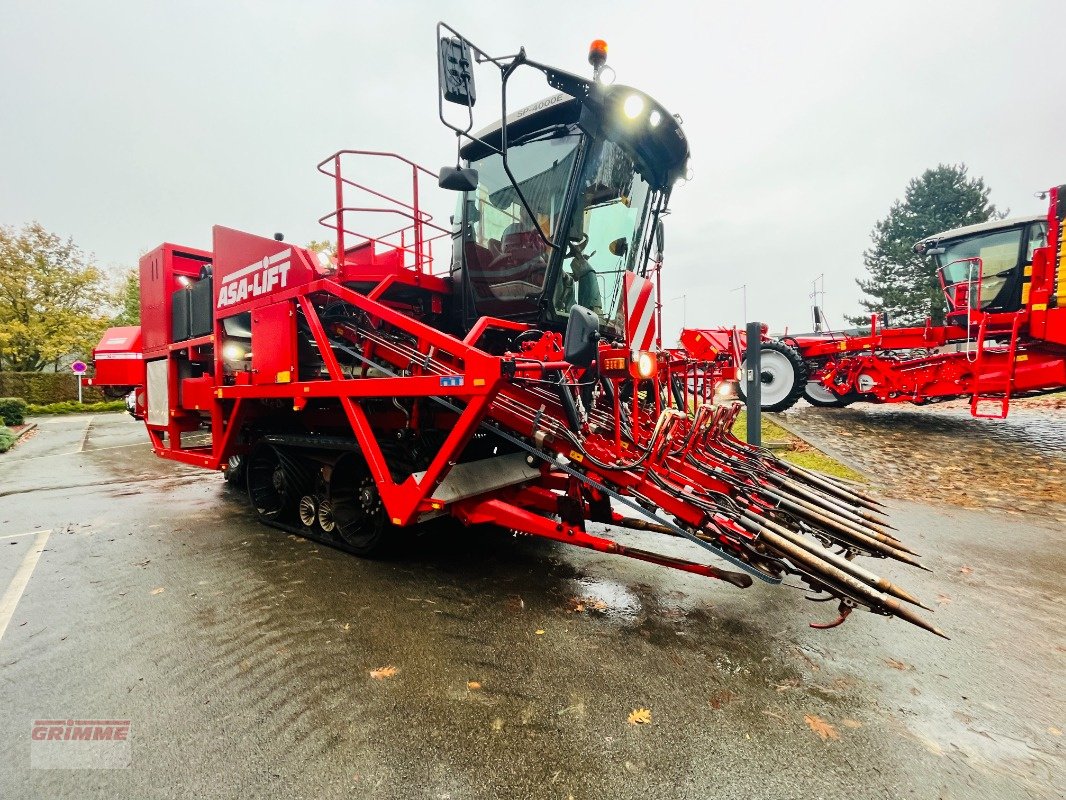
(118, 358)
(165, 270)
(250, 268)
(274, 343)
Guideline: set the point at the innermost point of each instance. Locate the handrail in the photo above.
(421, 248)
(971, 306)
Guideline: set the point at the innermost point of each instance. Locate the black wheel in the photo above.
(234, 473)
(268, 488)
(276, 481)
(783, 376)
(820, 397)
(354, 511)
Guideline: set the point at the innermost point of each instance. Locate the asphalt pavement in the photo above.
(480, 665)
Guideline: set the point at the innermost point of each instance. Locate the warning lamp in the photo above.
(598, 53)
(645, 364)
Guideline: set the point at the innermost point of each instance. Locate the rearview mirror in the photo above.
(456, 179)
(582, 338)
(660, 240)
(456, 78)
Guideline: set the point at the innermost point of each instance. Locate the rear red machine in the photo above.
(519, 384)
(1004, 288)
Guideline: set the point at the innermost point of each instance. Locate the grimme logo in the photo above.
(255, 279)
(51, 730)
(80, 744)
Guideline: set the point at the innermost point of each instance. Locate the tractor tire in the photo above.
(784, 376)
(820, 397)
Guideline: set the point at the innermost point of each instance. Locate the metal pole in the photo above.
(78, 379)
(753, 391)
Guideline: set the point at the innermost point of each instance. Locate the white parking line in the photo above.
(85, 437)
(27, 533)
(18, 583)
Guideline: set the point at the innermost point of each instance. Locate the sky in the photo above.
(128, 123)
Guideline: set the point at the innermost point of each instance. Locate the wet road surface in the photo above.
(242, 656)
(944, 455)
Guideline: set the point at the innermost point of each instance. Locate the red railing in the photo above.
(412, 238)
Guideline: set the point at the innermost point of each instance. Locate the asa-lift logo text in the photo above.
(256, 279)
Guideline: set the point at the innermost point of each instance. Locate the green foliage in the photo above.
(51, 297)
(12, 410)
(45, 387)
(901, 283)
(77, 408)
(128, 298)
(7, 439)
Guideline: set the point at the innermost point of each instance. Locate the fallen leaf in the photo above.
(540, 631)
(383, 672)
(821, 727)
(473, 685)
(347, 626)
(1054, 731)
(721, 699)
(901, 666)
(158, 590)
(942, 599)
(639, 716)
(597, 605)
(851, 723)
(966, 570)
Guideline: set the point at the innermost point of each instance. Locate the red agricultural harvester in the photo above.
(1004, 283)
(519, 385)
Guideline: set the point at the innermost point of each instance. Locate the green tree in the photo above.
(128, 299)
(901, 283)
(51, 299)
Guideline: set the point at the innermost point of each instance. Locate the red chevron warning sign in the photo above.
(640, 312)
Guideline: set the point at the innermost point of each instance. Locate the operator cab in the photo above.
(986, 267)
(596, 173)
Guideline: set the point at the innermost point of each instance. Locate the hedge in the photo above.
(12, 410)
(76, 407)
(46, 387)
(7, 439)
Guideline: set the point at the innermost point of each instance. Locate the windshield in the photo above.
(506, 258)
(603, 238)
(998, 252)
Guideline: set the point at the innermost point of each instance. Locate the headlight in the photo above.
(231, 351)
(633, 105)
(645, 364)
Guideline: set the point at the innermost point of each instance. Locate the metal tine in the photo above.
(833, 575)
(826, 482)
(760, 477)
(831, 485)
(883, 584)
(750, 455)
(890, 547)
(850, 532)
(832, 503)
